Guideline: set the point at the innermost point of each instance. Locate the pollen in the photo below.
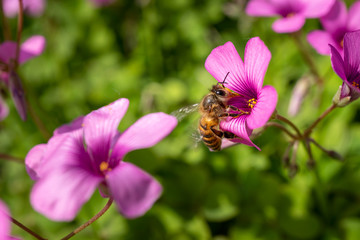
(342, 43)
(251, 102)
(289, 15)
(104, 166)
(355, 84)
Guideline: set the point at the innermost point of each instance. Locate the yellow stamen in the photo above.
(104, 166)
(355, 84)
(342, 43)
(251, 102)
(290, 15)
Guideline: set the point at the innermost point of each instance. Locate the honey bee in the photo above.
(212, 108)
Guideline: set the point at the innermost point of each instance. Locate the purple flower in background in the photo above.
(5, 223)
(31, 7)
(336, 23)
(87, 154)
(31, 48)
(348, 68)
(292, 12)
(100, 3)
(256, 102)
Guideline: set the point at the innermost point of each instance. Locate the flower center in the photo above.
(290, 15)
(104, 167)
(251, 103)
(342, 43)
(355, 84)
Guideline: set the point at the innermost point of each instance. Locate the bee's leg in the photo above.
(226, 114)
(241, 112)
(229, 135)
(218, 133)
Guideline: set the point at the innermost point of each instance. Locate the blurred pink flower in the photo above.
(245, 78)
(31, 48)
(292, 12)
(31, 7)
(87, 154)
(336, 23)
(4, 110)
(348, 67)
(5, 223)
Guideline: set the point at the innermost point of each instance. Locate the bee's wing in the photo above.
(184, 111)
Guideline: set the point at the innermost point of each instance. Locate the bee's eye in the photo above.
(220, 92)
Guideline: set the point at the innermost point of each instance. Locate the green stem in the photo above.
(40, 125)
(308, 131)
(281, 127)
(6, 31)
(93, 219)
(291, 124)
(19, 31)
(307, 57)
(11, 158)
(20, 225)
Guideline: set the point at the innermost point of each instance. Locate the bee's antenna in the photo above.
(223, 82)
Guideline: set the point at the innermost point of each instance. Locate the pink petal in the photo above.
(264, 108)
(226, 143)
(257, 57)
(17, 94)
(260, 8)
(31, 7)
(33, 161)
(239, 127)
(144, 133)
(31, 48)
(336, 18)
(354, 17)
(352, 53)
(100, 128)
(289, 24)
(133, 190)
(4, 110)
(320, 40)
(74, 125)
(4, 221)
(10, 7)
(63, 149)
(224, 59)
(337, 63)
(316, 8)
(34, 7)
(60, 194)
(7, 51)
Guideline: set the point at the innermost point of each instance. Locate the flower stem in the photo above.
(277, 125)
(291, 124)
(307, 57)
(308, 131)
(6, 30)
(19, 31)
(20, 225)
(11, 158)
(93, 219)
(40, 125)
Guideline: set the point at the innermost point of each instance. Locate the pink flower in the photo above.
(292, 12)
(348, 67)
(31, 48)
(31, 7)
(4, 110)
(87, 154)
(5, 223)
(256, 102)
(336, 23)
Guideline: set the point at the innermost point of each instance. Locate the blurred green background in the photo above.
(153, 52)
